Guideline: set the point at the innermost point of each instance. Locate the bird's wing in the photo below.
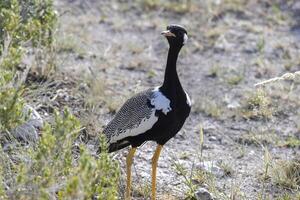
(137, 115)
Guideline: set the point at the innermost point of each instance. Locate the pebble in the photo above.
(222, 44)
(203, 194)
(234, 105)
(212, 167)
(28, 131)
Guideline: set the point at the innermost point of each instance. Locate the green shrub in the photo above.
(93, 177)
(2, 189)
(11, 103)
(52, 169)
(24, 21)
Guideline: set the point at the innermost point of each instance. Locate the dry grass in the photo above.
(208, 106)
(284, 77)
(286, 174)
(142, 190)
(181, 6)
(257, 106)
(259, 138)
(281, 173)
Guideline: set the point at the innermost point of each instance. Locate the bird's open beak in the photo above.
(168, 33)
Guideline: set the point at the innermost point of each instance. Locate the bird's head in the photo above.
(176, 35)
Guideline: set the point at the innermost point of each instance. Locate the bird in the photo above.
(156, 114)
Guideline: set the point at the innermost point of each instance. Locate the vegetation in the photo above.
(55, 167)
(250, 134)
(258, 106)
(286, 174)
(23, 25)
(11, 103)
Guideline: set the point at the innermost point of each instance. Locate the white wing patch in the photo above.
(160, 101)
(185, 38)
(188, 100)
(145, 125)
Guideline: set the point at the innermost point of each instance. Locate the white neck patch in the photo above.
(160, 101)
(185, 38)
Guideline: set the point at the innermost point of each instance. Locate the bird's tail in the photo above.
(104, 145)
(117, 146)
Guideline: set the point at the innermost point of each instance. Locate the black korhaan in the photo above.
(156, 114)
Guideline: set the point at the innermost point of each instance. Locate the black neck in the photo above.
(171, 80)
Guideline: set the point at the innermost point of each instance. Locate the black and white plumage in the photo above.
(137, 115)
(156, 114)
(151, 107)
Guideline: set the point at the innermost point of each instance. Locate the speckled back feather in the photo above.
(130, 116)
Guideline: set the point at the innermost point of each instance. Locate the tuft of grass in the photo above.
(95, 92)
(69, 44)
(151, 73)
(266, 173)
(227, 168)
(291, 142)
(214, 71)
(257, 106)
(286, 174)
(150, 4)
(261, 45)
(235, 79)
(187, 179)
(276, 16)
(143, 190)
(177, 7)
(259, 138)
(202, 177)
(287, 196)
(208, 106)
(214, 33)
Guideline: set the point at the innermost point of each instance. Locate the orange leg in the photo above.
(154, 167)
(129, 161)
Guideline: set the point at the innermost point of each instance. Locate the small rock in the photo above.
(296, 7)
(209, 127)
(203, 194)
(233, 105)
(35, 118)
(83, 87)
(212, 167)
(28, 131)
(222, 44)
(212, 138)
